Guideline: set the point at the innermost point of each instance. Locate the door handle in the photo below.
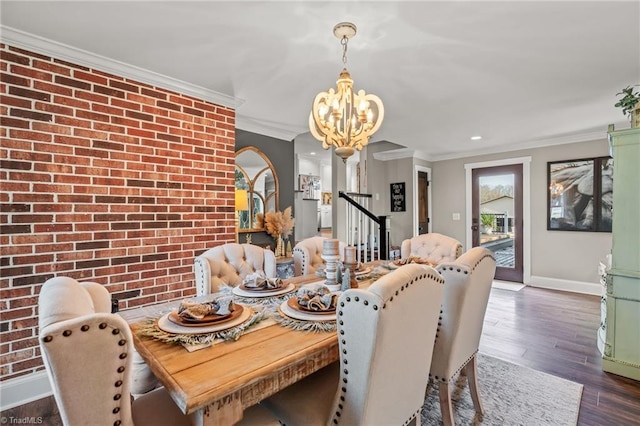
(474, 228)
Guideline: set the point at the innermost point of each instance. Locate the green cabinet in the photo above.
(622, 344)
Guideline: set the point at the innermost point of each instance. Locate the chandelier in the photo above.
(342, 118)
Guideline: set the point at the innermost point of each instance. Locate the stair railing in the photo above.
(367, 232)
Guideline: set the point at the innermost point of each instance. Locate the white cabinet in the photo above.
(325, 216)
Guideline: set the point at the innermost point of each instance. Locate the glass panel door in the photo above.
(497, 217)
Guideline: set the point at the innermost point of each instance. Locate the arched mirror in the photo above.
(255, 175)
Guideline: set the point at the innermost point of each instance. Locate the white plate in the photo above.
(166, 325)
(290, 312)
(244, 293)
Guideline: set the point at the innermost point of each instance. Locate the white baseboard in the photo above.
(24, 389)
(566, 285)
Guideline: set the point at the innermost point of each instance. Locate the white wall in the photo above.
(308, 167)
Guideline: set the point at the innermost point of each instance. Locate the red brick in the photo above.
(52, 88)
(72, 102)
(29, 135)
(15, 101)
(50, 66)
(81, 75)
(121, 103)
(14, 80)
(12, 57)
(55, 109)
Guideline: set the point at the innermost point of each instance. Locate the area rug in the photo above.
(504, 285)
(510, 395)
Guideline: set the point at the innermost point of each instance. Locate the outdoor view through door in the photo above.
(497, 217)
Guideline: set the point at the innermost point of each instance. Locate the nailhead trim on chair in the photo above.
(303, 266)
(343, 341)
(442, 379)
(199, 269)
(121, 342)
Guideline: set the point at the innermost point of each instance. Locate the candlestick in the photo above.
(349, 254)
(331, 255)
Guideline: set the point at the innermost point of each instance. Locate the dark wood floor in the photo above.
(549, 331)
(555, 332)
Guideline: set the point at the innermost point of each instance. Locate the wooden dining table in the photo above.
(219, 382)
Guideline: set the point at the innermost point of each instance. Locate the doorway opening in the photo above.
(422, 200)
(498, 214)
(497, 217)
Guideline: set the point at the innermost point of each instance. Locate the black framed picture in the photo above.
(397, 197)
(580, 194)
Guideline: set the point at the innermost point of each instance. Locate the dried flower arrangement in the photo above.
(279, 224)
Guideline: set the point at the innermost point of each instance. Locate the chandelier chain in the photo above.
(344, 42)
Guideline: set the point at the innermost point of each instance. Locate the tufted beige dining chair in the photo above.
(384, 362)
(433, 247)
(87, 355)
(307, 255)
(229, 264)
(466, 294)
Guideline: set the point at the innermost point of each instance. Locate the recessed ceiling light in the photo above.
(312, 153)
(476, 138)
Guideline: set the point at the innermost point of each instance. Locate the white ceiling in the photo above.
(520, 74)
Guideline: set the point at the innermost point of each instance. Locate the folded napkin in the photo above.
(414, 259)
(259, 281)
(317, 298)
(191, 310)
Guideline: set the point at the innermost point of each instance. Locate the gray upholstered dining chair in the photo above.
(386, 335)
(466, 294)
(307, 255)
(229, 264)
(432, 247)
(87, 355)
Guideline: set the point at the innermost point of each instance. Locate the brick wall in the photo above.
(103, 179)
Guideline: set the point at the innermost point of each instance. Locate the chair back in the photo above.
(433, 247)
(466, 294)
(307, 255)
(86, 351)
(229, 264)
(386, 336)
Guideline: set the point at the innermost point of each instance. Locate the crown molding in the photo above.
(43, 46)
(277, 131)
(532, 144)
(398, 154)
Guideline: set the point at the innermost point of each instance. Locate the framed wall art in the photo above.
(580, 194)
(397, 197)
